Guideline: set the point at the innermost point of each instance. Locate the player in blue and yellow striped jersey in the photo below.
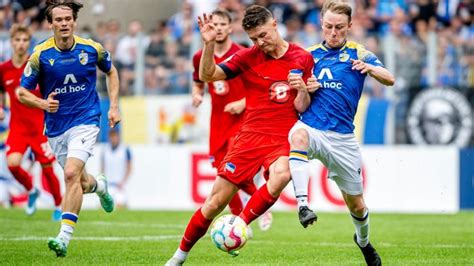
(64, 66)
(325, 129)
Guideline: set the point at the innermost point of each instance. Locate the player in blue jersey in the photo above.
(64, 66)
(325, 129)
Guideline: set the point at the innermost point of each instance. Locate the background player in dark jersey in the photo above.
(26, 125)
(228, 106)
(65, 67)
(325, 129)
(273, 101)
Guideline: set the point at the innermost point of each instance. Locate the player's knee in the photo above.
(299, 139)
(13, 162)
(71, 175)
(358, 209)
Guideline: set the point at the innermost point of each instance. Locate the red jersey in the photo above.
(269, 99)
(224, 125)
(24, 119)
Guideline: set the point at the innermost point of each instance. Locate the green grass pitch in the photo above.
(150, 237)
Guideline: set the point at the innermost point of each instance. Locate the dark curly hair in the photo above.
(51, 4)
(255, 16)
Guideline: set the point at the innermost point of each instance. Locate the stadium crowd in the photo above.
(167, 46)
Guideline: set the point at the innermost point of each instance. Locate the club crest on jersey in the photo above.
(83, 58)
(221, 87)
(344, 57)
(230, 167)
(279, 92)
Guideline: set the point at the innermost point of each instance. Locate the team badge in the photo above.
(230, 167)
(343, 57)
(221, 87)
(83, 58)
(279, 92)
(28, 70)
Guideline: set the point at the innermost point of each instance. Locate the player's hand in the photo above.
(235, 107)
(207, 28)
(296, 82)
(2, 114)
(313, 84)
(197, 99)
(114, 117)
(52, 105)
(361, 66)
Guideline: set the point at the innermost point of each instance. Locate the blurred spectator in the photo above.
(117, 167)
(126, 55)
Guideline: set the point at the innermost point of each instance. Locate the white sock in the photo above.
(299, 168)
(65, 234)
(100, 187)
(180, 255)
(362, 228)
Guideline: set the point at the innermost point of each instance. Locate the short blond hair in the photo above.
(17, 28)
(337, 7)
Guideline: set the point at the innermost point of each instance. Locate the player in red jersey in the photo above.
(26, 125)
(273, 100)
(228, 105)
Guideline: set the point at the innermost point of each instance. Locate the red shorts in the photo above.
(218, 156)
(38, 143)
(249, 152)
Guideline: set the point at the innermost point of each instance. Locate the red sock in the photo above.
(235, 204)
(258, 204)
(22, 176)
(197, 227)
(53, 184)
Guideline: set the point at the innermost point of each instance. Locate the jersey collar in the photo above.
(67, 50)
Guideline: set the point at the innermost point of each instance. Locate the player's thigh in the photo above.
(243, 159)
(59, 147)
(42, 150)
(298, 137)
(279, 176)
(81, 141)
(345, 163)
(16, 146)
(221, 194)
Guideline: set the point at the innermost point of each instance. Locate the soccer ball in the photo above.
(229, 233)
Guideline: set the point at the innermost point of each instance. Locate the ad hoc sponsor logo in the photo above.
(70, 88)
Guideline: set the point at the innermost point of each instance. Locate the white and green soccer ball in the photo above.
(229, 233)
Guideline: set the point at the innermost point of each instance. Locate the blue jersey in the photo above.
(72, 74)
(334, 105)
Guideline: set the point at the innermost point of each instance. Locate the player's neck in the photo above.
(280, 49)
(19, 59)
(222, 48)
(64, 43)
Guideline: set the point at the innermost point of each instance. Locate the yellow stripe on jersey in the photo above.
(97, 46)
(315, 47)
(34, 61)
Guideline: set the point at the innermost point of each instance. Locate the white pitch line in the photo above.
(384, 244)
(177, 237)
(118, 224)
(94, 238)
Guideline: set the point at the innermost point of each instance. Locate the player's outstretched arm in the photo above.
(49, 105)
(379, 73)
(113, 90)
(208, 70)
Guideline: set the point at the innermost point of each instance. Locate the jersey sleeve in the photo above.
(235, 64)
(308, 67)
(196, 59)
(30, 76)
(104, 58)
(368, 57)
